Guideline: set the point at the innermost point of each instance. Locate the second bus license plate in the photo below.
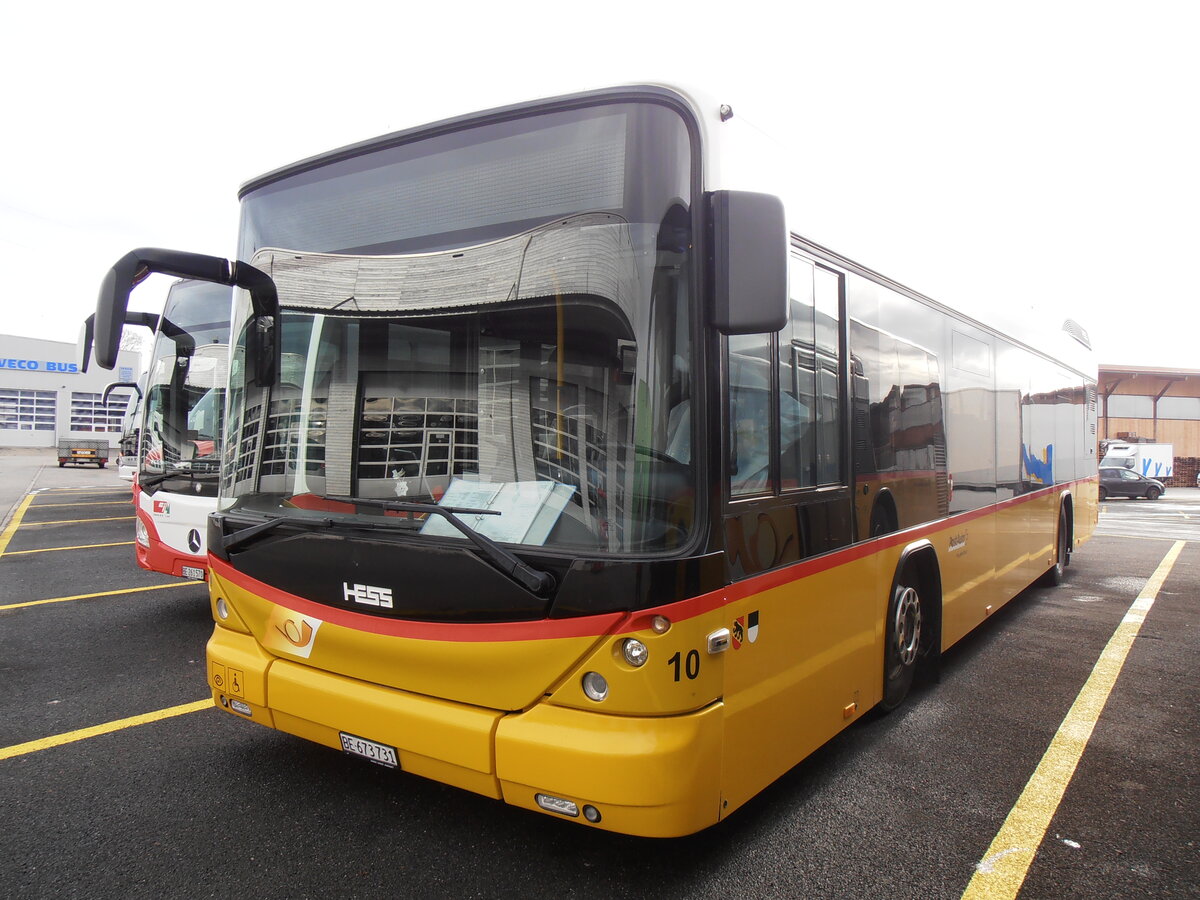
(375, 752)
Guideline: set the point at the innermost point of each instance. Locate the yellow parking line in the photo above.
(152, 587)
(82, 489)
(70, 737)
(88, 503)
(1002, 871)
(77, 521)
(48, 491)
(79, 547)
(13, 525)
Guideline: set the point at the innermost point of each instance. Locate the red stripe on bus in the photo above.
(779, 577)
(607, 623)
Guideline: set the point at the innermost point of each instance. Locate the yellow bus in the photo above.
(560, 468)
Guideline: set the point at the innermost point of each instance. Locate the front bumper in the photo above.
(649, 776)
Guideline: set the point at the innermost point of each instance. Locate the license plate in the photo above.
(193, 572)
(375, 752)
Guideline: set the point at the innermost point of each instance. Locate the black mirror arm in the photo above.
(210, 268)
(263, 296)
(136, 265)
(145, 319)
(120, 384)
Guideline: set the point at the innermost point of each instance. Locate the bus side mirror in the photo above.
(120, 384)
(83, 346)
(133, 268)
(750, 262)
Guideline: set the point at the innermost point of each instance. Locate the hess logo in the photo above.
(367, 595)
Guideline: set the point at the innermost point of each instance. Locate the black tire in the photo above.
(1062, 555)
(882, 520)
(62, 465)
(1103, 493)
(1153, 493)
(902, 647)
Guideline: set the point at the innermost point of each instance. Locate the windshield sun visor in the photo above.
(584, 254)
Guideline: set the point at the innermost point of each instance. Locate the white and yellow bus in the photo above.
(558, 467)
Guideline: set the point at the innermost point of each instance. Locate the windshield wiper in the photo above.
(510, 564)
(149, 481)
(228, 542)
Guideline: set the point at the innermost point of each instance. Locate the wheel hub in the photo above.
(908, 626)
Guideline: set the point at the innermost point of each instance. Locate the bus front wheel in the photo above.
(903, 647)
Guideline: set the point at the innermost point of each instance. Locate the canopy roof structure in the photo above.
(1143, 381)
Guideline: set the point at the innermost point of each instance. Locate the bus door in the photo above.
(806, 629)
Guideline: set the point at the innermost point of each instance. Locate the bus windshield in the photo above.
(497, 318)
(185, 396)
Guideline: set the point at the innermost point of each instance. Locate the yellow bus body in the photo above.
(678, 743)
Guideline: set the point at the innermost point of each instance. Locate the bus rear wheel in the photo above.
(903, 647)
(1062, 554)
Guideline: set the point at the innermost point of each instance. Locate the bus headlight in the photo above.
(141, 535)
(636, 653)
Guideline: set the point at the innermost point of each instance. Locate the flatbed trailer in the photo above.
(81, 453)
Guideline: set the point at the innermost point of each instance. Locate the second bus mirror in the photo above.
(750, 262)
(117, 385)
(83, 345)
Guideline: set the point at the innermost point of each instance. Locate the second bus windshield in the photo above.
(185, 399)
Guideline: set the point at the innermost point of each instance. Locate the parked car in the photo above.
(1116, 482)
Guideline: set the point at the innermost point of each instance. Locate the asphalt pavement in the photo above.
(154, 793)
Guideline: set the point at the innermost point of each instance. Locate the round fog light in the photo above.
(660, 624)
(222, 608)
(591, 814)
(595, 686)
(636, 653)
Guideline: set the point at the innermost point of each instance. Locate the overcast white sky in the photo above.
(1020, 160)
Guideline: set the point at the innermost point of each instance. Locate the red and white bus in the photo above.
(178, 430)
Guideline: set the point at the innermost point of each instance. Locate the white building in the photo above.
(44, 396)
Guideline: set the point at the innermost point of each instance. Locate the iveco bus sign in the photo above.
(39, 365)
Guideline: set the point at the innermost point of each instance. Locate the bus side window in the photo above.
(827, 294)
(809, 404)
(749, 414)
(797, 381)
